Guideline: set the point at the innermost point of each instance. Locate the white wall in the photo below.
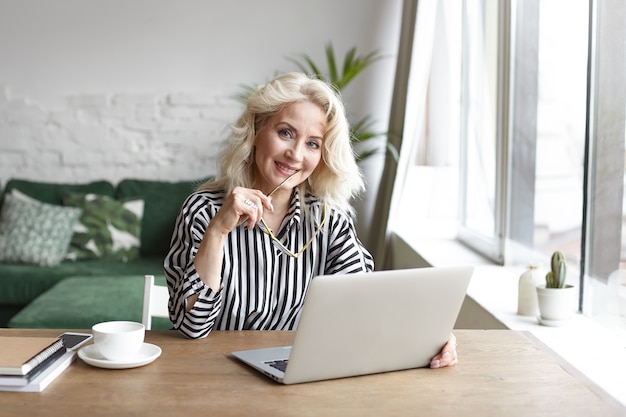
(114, 89)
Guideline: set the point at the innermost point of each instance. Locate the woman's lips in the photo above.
(289, 170)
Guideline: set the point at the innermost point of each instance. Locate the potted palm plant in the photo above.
(556, 299)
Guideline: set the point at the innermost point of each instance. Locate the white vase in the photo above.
(527, 292)
(556, 305)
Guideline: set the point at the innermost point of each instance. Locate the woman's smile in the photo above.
(289, 170)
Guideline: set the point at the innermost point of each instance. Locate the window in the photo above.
(534, 169)
(482, 95)
(541, 128)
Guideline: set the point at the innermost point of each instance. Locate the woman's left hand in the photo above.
(447, 356)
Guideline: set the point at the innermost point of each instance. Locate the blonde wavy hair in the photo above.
(337, 178)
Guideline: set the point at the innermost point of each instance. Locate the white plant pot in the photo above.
(556, 305)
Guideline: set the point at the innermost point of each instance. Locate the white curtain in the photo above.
(407, 117)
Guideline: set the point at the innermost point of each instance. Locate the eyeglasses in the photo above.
(268, 231)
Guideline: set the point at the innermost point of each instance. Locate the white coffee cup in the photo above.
(118, 340)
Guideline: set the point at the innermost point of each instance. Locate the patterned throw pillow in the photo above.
(33, 232)
(107, 229)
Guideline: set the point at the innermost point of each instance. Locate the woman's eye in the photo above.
(314, 144)
(285, 133)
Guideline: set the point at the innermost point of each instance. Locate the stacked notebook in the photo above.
(30, 364)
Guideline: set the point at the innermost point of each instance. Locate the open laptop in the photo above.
(367, 323)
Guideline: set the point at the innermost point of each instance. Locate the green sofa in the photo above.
(21, 284)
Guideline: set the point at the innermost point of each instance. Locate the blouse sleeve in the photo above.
(182, 279)
(346, 253)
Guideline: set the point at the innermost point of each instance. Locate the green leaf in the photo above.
(393, 151)
(365, 154)
(332, 67)
(246, 91)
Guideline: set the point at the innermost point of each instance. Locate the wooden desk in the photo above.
(500, 373)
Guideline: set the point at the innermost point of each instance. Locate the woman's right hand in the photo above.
(243, 204)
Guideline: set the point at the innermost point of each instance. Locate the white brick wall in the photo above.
(174, 136)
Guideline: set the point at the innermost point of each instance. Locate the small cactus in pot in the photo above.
(556, 277)
(557, 300)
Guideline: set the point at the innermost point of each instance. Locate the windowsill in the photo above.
(592, 348)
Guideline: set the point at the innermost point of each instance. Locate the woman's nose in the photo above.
(295, 151)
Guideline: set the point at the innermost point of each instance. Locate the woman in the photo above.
(247, 244)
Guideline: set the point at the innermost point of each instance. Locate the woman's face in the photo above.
(290, 142)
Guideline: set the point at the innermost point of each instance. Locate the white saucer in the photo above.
(147, 354)
(552, 323)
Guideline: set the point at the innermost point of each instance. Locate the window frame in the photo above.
(494, 246)
(606, 123)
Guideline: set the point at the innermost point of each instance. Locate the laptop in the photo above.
(366, 323)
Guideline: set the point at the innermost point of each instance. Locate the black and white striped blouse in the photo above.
(263, 287)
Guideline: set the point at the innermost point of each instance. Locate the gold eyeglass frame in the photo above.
(268, 231)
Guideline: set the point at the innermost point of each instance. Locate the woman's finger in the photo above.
(448, 355)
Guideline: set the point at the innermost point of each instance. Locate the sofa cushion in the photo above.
(20, 284)
(162, 204)
(53, 193)
(81, 302)
(33, 232)
(107, 228)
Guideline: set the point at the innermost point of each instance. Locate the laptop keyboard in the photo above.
(281, 364)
